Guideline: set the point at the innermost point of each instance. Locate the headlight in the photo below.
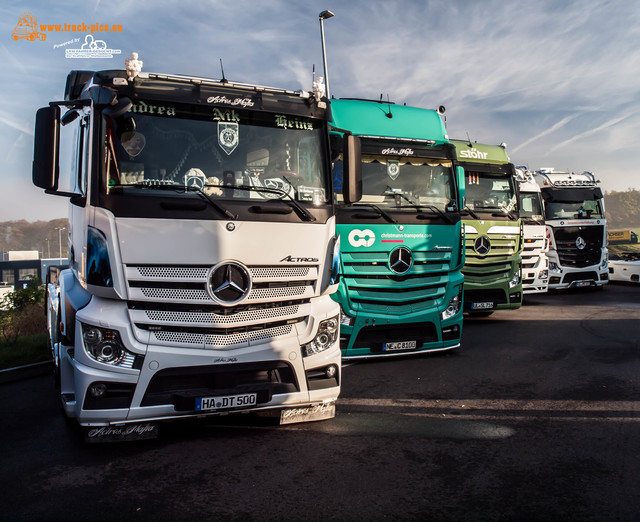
(516, 279)
(345, 319)
(104, 345)
(324, 339)
(553, 267)
(453, 307)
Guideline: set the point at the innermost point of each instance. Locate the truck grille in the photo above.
(569, 253)
(170, 305)
(367, 277)
(493, 267)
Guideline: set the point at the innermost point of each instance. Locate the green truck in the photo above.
(401, 245)
(493, 230)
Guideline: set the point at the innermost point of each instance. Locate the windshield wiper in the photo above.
(308, 215)
(475, 216)
(377, 209)
(507, 212)
(177, 187)
(419, 206)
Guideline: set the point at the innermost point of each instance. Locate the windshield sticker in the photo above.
(223, 100)
(295, 123)
(398, 152)
(393, 169)
(228, 136)
(141, 107)
(230, 116)
(195, 178)
(134, 145)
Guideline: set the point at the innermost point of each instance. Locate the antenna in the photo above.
(389, 115)
(224, 80)
(469, 140)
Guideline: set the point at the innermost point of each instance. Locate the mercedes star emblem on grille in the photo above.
(482, 245)
(580, 243)
(229, 283)
(400, 260)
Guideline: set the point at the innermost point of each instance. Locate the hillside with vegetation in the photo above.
(44, 236)
(623, 209)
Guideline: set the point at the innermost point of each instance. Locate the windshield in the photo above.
(227, 154)
(404, 183)
(590, 208)
(531, 206)
(490, 191)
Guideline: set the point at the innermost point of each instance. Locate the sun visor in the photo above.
(571, 194)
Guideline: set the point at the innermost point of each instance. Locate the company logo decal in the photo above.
(393, 169)
(473, 153)
(364, 238)
(228, 136)
(581, 243)
(482, 245)
(400, 260)
(229, 283)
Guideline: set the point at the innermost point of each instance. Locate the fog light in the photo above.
(544, 274)
(331, 371)
(98, 390)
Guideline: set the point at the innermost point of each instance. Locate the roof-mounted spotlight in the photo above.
(441, 109)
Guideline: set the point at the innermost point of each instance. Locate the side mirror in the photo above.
(461, 187)
(45, 172)
(352, 162)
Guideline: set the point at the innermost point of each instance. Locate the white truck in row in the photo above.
(535, 261)
(202, 249)
(574, 215)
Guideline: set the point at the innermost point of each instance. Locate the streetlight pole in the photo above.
(324, 15)
(60, 229)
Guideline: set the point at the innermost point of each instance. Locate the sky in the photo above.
(558, 82)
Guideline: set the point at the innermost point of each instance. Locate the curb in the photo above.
(26, 371)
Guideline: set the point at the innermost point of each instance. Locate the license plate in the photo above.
(400, 345)
(482, 306)
(226, 402)
(583, 283)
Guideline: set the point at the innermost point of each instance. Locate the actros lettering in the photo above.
(364, 238)
(290, 259)
(473, 153)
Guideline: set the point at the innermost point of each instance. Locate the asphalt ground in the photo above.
(535, 417)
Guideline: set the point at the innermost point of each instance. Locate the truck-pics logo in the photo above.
(364, 238)
(27, 29)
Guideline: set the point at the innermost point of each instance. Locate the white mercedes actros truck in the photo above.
(576, 229)
(202, 249)
(535, 262)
